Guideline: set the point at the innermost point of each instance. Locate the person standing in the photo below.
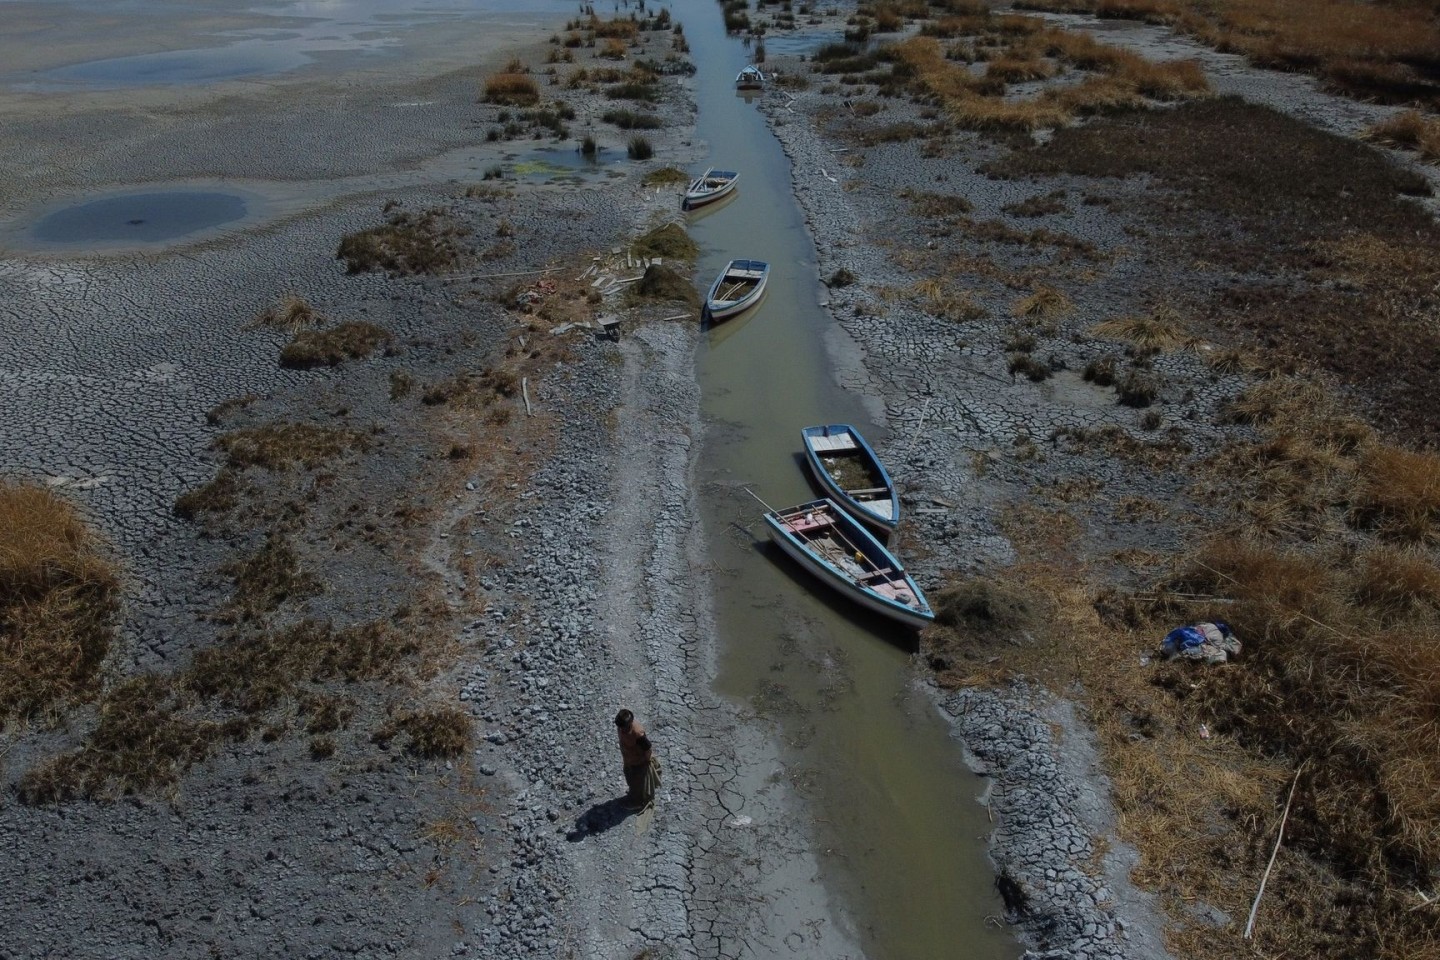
(642, 769)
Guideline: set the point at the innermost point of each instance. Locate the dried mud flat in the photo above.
(536, 542)
(494, 527)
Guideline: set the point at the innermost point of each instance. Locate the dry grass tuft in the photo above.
(291, 313)
(1044, 304)
(1399, 494)
(268, 578)
(662, 283)
(437, 732)
(1155, 333)
(669, 241)
(1410, 130)
(407, 243)
(331, 347)
(512, 89)
(665, 177)
(278, 446)
(941, 298)
(59, 596)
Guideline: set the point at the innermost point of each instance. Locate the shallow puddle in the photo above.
(152, 217)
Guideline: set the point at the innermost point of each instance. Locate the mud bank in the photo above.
(545, 549)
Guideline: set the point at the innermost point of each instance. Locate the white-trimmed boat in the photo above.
(852, 475)
(709, 187)
(751, 78)
(737, 289)
(835, 547)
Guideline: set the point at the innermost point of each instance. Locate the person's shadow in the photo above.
(601, 817)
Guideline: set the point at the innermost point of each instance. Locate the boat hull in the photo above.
(916, 618)
(699, 197)
(722, 309)
(860, 509)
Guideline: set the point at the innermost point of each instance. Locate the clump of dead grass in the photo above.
(331, 347)
(407, 243)
(667, 240)
(972, 617)
(290, 313)
(512, 89)
(59, 596)
(268, 578)
(1157, 332)
(432, 733)
(942, 298)
(1411, 130)
(278, 446)
(661, 283)
(1045, 304)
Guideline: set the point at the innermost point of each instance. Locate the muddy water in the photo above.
(897, 831)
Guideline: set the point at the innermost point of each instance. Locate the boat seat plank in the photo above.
(867, 490)
(840, 441)
(802, 525)
(877, 574)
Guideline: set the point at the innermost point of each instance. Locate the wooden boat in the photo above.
(737, 289)
(852, 475)
(835, 547)
(709, 187)
(751, 78)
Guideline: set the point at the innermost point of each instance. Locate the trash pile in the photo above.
(1205, 642)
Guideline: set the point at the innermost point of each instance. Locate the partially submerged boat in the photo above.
(834, 546)
(737, 289)
(709, 187)
(751, 78)
(852, 475)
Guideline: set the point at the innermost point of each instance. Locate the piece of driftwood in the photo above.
(1279, 835)
(525, 392)
(491, 276)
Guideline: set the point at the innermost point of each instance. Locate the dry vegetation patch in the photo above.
(669, 241)
(1270, 194)
(1020, 50)
(59, 598)
(1381, 51)
(427, 242)
(1410, 130)
(278, 446)
(152, 728)
(331, 347)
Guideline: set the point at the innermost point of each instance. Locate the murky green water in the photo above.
(900, 838)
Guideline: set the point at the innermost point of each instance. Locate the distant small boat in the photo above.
(709, 187)
(850, 472)
(834, 546)
(737, 289)
(751, 78)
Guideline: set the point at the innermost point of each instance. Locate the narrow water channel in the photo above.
(898, 833)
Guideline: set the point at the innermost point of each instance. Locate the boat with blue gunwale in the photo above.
(848, 470)
(838, 549)
(737, 289)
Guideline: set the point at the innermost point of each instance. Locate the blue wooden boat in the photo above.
(848, 470)
(737, 289)
(709, 187)
(834, 546)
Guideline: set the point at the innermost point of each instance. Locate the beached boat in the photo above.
(709, 187)
(834, 546)
(737, 289)
(751, 78)
(852, 475)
